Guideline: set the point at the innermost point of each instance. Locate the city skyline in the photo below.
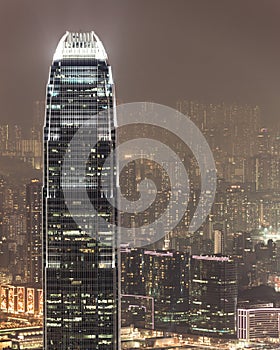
(137, 225)
(247, 180)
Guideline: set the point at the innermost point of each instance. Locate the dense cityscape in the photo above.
(140, 175)
(210, 284)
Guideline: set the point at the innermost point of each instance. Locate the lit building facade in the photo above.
(213, 295)
(21, 299)
(258, 323)
(34, 231)
(155, 289)
(80, 264)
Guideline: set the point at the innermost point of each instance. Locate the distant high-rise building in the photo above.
(34, 231)
(218, 242)
(80, 264)
(213, 295)
(37, 120)
(167, 281)
(159, 278)
(4, 138)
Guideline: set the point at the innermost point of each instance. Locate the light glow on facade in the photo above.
(80, 265)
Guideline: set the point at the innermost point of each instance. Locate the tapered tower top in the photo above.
(80, 45)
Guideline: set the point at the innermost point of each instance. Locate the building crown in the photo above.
(80, 45)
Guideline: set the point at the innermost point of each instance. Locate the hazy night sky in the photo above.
(160, 50)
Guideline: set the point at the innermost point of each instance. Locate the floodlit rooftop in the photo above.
(80, 45)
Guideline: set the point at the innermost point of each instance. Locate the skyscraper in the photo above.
(159, 278)
(80, 263)
(213, 295)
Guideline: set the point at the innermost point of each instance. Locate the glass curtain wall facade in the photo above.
(213, 295)
(80, 270)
